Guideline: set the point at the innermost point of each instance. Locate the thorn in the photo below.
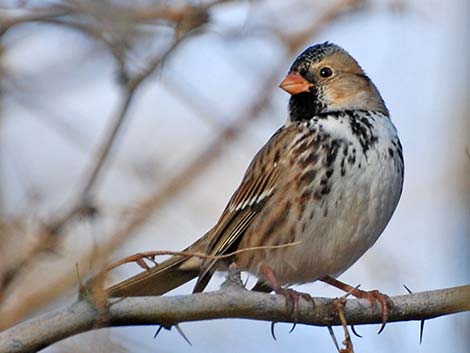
(293, 327)
(180, 331)
(353, 329)
(408, 289)
(351, 291)
(421, 331)
(158, 331)
(272, 330)
(333, 337)
(421, 324)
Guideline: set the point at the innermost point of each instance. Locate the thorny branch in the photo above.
(232, 301)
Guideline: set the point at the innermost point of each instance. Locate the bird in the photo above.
(315, 197)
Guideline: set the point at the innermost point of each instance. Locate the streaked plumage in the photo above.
(330, 179)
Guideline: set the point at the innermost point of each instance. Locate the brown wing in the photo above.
(257, 187)
(260, 183)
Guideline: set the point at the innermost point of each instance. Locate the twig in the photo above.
(103, 152)
(52, 15)
(36, 15)
(177, 183)
(230, 302)
(152, 254)
(139, 14)
(339, 304)
(335, 11)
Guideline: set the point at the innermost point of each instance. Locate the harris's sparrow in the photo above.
(327, 182)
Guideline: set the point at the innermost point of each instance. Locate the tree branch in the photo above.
(229, 302)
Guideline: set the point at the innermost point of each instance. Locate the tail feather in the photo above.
(155, 281)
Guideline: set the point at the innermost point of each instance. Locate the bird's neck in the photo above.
(304, 106)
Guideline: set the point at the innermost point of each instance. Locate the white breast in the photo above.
(361, 194)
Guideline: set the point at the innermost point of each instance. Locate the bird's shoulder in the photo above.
(262, 175)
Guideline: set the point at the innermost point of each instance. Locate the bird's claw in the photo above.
(373, 297)
(292, 300)
(292, 296)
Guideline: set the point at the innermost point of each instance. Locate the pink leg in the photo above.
(292, 296)
(373, 296)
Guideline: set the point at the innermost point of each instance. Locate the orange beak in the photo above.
(294, 83)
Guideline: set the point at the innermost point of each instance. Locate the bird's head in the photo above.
(325, 78)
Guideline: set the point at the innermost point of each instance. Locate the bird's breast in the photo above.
(344, 183)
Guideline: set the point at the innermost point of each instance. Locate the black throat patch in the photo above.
(304, 106)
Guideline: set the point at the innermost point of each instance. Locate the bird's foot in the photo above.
(292, 296)
(292, 299)
(373, 296)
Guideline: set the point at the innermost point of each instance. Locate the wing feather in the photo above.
(258, 185)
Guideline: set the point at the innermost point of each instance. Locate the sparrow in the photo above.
(316, 196)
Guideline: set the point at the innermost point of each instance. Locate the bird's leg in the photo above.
(292, 296)
(373, 296)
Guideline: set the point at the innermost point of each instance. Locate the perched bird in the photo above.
(316, 196)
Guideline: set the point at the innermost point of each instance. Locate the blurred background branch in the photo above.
(125, 125)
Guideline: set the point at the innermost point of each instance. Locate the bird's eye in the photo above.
(326, 72)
